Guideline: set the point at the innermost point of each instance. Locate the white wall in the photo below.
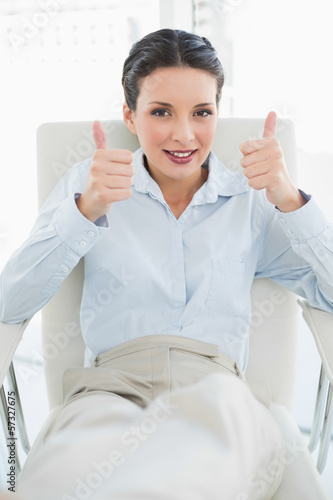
(60, 61)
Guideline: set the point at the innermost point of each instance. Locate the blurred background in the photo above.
(61, 60)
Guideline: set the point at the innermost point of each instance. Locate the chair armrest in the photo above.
(321, 326)
(10, 336)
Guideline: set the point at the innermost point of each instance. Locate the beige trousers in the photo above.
(160, 417)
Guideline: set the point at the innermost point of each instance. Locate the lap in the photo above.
(179, 424)
(209, 436)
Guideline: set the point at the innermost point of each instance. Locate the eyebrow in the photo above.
(168, 105)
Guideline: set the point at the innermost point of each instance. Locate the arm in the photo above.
(297, 253)
(59, 238)
(297, 250)
(68, 226)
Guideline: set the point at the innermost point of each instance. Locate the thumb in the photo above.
(99, 135)
(270, 124)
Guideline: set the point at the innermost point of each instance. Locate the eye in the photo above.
(160, 112)
(203, 113)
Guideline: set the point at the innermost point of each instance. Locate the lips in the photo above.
(180, 157)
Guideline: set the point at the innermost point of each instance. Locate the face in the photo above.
(175, 121)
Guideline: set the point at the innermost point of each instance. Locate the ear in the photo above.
(128, 116)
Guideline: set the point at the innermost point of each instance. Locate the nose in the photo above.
(182, 132)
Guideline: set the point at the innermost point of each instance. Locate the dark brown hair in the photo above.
(168, 48)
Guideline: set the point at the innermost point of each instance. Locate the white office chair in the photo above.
(273, 340)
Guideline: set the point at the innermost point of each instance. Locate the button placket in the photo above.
(178, 272)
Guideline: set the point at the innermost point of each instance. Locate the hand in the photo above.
(109, 178)
(264, 167)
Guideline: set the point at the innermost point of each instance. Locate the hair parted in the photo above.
(168, 48)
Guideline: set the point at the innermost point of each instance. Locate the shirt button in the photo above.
(65, 269)
(91, 233)
(82, 243)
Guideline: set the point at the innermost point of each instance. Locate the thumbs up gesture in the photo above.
(109, 178)
(265, 168)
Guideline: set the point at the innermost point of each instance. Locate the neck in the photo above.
(178, 193)
(181, 192)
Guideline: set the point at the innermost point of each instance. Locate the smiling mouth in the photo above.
(181, 154)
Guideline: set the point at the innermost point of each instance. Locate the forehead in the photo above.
(178, 84)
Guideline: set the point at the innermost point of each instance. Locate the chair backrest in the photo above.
(273, 334)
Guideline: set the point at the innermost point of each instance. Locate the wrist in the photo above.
(294, 202)
(92, 216)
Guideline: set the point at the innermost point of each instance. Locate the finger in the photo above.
(270, 124)
(114, 156)
(273, 152)
(117, 194)
(258, 183)
(119, 169)
(118, 182)
(99, 135)
(257, 170)
(256, 145)
(111, 170)
(251, 146)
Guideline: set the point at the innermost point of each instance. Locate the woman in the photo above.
(161, 409)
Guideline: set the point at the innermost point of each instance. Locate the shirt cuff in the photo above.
(75, 230)
(305, 223)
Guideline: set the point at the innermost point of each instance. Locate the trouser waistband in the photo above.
(185, 344)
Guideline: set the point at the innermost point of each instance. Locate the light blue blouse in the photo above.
(147, 272)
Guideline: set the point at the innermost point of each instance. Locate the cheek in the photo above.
(207, 135)
(154, 135)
